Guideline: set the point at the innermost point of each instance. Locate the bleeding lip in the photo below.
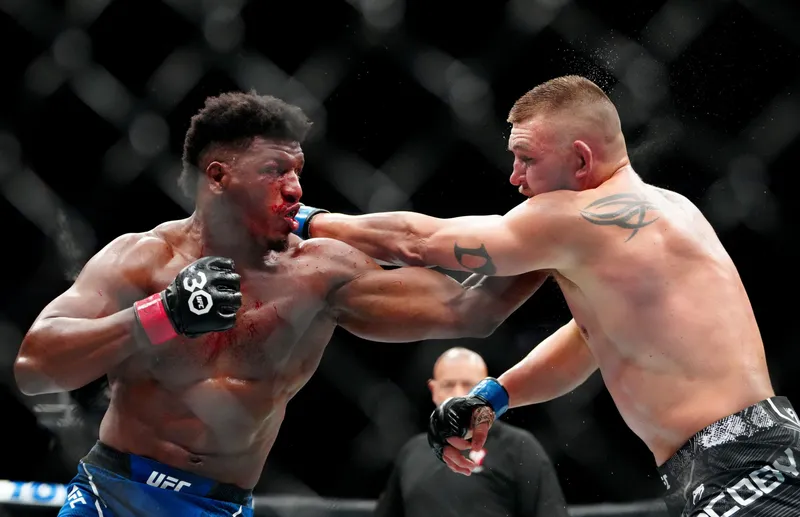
(291, 212)
(289, 216)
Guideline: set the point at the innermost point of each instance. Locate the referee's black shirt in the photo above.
(515, 479)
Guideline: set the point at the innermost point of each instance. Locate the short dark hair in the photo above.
(236, 118)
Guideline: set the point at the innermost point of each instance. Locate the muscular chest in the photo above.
(281, 329)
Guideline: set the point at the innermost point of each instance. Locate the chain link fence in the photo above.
(408, 101)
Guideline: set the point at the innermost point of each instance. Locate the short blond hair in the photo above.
(569, 91)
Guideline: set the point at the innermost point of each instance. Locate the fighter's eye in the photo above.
(271, 168)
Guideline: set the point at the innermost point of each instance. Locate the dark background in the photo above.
(409, 101)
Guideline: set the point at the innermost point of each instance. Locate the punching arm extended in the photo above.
(411, 303)
(529, 237)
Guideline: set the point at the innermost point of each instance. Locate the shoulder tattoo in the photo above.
(627, 210)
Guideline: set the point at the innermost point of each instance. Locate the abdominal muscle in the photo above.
(220, 428)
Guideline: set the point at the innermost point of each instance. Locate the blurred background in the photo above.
(409, 101)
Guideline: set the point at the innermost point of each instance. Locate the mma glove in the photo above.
(303, 218)
(453, 417)
(203, 298)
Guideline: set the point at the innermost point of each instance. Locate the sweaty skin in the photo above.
(213, 405)
(658, 305)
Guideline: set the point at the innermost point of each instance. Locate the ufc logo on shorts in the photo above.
(748, 489)
(160, 480)
(200, 302)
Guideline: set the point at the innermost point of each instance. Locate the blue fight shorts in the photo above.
(111, 483)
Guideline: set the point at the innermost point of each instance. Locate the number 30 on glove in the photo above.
(204, 297)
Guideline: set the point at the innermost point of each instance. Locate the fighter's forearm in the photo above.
(392, 237)
(488, 301)
(558, 365)
(63, 354)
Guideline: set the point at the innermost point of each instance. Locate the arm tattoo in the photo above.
(624, 210)
(487, 268)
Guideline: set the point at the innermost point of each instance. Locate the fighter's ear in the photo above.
(218, 176)
(585, 159)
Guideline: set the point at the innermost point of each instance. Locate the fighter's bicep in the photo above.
(484, 246)
(526, 239)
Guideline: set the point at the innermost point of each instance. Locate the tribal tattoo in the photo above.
(627, 211)
(485, 265)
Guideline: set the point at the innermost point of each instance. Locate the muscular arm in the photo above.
(558, 365)
(84, 332)
(529, 237)
(412, 304)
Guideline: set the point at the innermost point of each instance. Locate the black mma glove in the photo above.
(453, 417)
(204, 297)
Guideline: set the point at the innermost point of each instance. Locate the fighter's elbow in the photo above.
(31, 370)
(29, 377)
(486, 328)
(478, 326)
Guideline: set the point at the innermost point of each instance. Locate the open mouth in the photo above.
(290, 215)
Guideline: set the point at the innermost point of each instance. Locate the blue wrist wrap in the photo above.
(303, 217)
(493, 393)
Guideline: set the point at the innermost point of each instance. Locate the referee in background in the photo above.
(515, 477)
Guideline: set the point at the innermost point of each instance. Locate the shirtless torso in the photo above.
(213, 405)
(664, 314)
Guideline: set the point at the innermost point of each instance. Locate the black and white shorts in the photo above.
(745, 464)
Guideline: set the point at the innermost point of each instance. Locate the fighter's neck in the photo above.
(622, 169)
(223, 237)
